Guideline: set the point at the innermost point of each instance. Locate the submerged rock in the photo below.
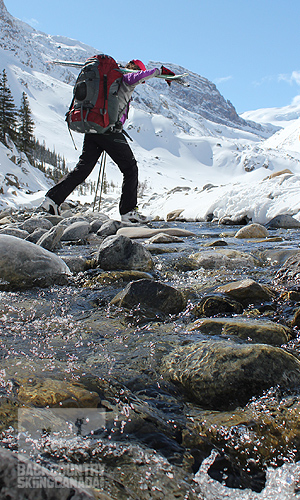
(152, 295)
(56, 393)
(25, 264)
(252, 330)
(224, 374)
(222, 257)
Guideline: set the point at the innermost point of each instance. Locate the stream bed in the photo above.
(81, 379)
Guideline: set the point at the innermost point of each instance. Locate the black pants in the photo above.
(118, 149)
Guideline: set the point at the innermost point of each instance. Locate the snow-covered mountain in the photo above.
(184, 138)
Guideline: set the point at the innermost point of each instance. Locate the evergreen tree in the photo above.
(25, 129)
(7, 110)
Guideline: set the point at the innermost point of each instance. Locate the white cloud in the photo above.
(294, 77)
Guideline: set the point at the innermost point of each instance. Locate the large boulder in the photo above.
(23, 263)
(119, 252)
(223, 374)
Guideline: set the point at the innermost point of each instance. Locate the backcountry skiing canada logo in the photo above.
(42, 430)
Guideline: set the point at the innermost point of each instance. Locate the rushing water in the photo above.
(71, 334)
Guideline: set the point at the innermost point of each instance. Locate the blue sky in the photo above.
(248, 48)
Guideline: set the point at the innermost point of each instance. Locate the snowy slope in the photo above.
(184, 139)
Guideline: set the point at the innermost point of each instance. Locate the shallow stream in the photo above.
(72, 335)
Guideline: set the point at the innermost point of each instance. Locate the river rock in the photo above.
(34, 223)
(109, 228)
(76, 264)
(284, 222)
(150, 294)
(23, 263)
(252, 231)
(15, 231)
(56, 393)
(51, 239)
(223, 374)
(251, 330)
(222, 257)
(164, 238)
(216, 304)
(247, 291)
(119, 252)
(289, 273)
(76, 231)
(147, 232)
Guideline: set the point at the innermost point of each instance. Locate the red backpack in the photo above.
(94, 107)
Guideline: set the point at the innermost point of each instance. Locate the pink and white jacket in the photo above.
(128, 84)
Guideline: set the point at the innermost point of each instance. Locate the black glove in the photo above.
(166, 71)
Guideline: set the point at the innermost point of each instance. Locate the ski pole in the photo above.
(102, 180)
(98, 181)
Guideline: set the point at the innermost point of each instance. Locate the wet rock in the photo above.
(147, 232)
(23, 264)
(34, 223)
(272, 421)
(51, 239)
(115, 277)
(164, 238)
(76, 231)
(214, 304)
(247, 291)
(119, 252)
(222, 257)
(216, 243)
(284, 222)
(296, 319)
(274, 257)
(109, 228)
(289, 274)
(152, 295)
(252, 231)
(15, 231)
(56, 393)
(251, 330)
(223, 374)
(76, 264)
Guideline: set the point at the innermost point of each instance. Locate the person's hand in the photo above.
(166, 71)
